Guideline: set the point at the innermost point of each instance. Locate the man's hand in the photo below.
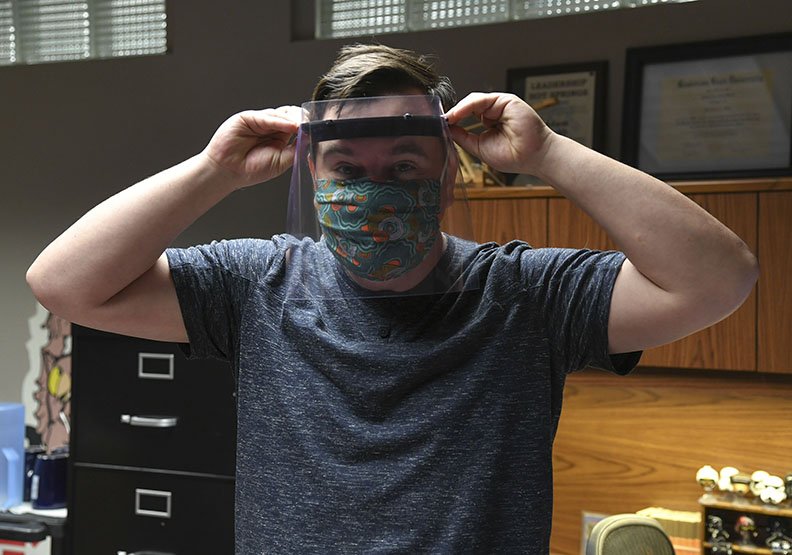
(685, 270)
(255, 146)
(514, 140)
(123, 281)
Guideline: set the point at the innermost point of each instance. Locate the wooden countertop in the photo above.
(687, 187)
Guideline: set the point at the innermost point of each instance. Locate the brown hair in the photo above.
(377, 70)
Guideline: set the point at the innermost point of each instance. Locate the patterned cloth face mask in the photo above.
(379, 230)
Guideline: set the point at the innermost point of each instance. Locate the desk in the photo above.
(25, 524)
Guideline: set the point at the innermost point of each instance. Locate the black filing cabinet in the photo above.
(152, 449)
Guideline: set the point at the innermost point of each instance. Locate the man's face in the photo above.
(381, 159)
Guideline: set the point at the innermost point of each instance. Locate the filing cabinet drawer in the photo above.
(128, 511)
(143, 404)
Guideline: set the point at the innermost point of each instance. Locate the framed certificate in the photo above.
(709, 110)
(569, 98)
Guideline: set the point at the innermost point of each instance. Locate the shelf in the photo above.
(737, 548)
(687, 187)
(747, 506)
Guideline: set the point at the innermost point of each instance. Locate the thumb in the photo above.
(286, 158)
(468, 141)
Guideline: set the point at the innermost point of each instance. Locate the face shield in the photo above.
(373, 190)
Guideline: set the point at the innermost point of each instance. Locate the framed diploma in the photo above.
(709, 110)
(569, 98)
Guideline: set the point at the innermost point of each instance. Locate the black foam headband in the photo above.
(391, 126)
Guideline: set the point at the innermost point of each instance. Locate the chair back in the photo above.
(628, 534)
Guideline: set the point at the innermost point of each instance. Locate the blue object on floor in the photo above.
(12, 454)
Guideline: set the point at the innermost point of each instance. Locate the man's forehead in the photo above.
(381, 106)
(429, 147)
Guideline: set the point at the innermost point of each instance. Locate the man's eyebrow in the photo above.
(409, 147)
(337, 149)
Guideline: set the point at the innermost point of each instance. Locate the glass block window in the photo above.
(350, 18)
(437, 14)
(130, 28)
(53, 30)
(40, 31)
(7, 34)
(529, 9)
(344, 18)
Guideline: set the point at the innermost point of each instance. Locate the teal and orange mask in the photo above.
(372, 179)
(379, 230)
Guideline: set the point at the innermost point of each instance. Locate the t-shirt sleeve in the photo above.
(213, 283)
(574, 289)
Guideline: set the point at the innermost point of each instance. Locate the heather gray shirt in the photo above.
(396, 425)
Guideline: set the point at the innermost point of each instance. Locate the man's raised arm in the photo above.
(108, 270)
(684, 269)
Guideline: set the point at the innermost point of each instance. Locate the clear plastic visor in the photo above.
(374, 192)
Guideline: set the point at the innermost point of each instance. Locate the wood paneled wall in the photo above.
(626, 443)
(775, 323)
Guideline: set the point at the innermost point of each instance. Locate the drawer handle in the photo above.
(144, 553)
(152, 502)
(150, 421)
(155, 366)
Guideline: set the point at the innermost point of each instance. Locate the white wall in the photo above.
(72, 134)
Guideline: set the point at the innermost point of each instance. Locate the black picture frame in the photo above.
(593, 123)
(710, 110)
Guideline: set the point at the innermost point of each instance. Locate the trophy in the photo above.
(746, 527)
(719, 538)
(741, 484)
(778, 542)
(707, 477)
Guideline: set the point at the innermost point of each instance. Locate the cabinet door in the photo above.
(728, 345)
(731, 343)
(502, 220)
(570, 227)
(117, 511)
(775, 293)
(142, 403)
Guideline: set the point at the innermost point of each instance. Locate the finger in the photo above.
(291, 113)
(477, 104)
(265, 122)
(286, 158)
(468, 141)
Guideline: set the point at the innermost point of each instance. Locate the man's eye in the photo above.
(346, 170)
(404, 167)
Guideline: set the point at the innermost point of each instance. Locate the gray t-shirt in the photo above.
(419, 424)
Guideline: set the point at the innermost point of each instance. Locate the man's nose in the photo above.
(380, 173)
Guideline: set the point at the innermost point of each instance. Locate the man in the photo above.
(378, 413)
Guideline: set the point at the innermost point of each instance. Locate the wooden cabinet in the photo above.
(570, 227)
(775, 292)
(500, 220)
(728, 345)
(152, 448)
(758, 336)
(731, 343)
